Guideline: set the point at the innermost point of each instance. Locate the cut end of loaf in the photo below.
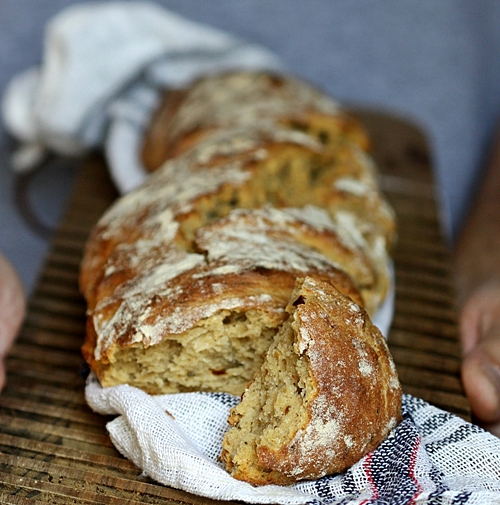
(326, 394)
(274, 406)
(226, 348)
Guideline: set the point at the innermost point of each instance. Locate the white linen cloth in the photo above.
(432, 457)
(104, 66)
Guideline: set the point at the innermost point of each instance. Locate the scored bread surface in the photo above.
(247, 98)
(187, 277)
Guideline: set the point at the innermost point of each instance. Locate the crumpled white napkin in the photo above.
(108, 59)
(432, 457)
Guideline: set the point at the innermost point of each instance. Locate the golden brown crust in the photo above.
(354, 397)
(236, 264)
(155, 148)
(289, 205)
(358, 392)
(234, 99)
(192, 278)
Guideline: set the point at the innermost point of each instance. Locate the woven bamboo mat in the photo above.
(53, 449)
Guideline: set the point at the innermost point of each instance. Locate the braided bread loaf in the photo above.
(256, 181)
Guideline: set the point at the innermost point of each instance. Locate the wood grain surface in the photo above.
(54, 449)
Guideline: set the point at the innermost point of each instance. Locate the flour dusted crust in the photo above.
(187, 277)
(245, 98)
(250, 261)
(326, 395)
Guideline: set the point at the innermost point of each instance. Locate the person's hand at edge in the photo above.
(477, 275)
(12, 310)
(480, 337)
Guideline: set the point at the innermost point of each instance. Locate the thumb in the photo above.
(478, 315)
(481, 377)
(480, 336)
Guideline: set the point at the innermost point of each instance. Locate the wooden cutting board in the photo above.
(54, 449)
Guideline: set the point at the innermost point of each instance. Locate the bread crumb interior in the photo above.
(228, 347)
(274, 406)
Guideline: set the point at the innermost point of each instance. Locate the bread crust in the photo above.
(153, 272)
(229, 100)
(255, 251)
(352, 400)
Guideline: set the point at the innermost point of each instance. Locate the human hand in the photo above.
(480, 337)
(12, 310)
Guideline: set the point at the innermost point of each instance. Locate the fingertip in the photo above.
(479, 315)
(481, 380)
(469, 326)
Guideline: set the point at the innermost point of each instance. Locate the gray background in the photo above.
(435, 62)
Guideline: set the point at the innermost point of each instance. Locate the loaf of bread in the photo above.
(256, 181)
(326, 395)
